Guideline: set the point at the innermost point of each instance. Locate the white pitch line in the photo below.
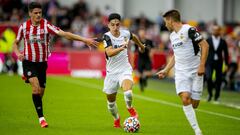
(94, 86)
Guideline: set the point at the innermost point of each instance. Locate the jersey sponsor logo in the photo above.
(34, 39)
(117, 46)
(176, 45)
(42, 31)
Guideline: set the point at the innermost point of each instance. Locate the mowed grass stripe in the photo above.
(99, 87)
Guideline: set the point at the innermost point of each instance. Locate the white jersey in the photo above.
(118, 63)
(184, 51)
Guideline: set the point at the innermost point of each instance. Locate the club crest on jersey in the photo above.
(181, 36)
(29, 73)
(125, 39)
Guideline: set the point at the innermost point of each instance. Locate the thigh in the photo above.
(148, 66)
(110, 84)
(127, 84)
(29, 69)
(111, 97)
(140, 66)
(42, 69)
(197, 87)
(183, 83)
(126, 80)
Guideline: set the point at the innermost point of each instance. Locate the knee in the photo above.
(186, 100)
(36, 89)
(195, 106)
(127, 85)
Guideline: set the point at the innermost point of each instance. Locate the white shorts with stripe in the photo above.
(113, 81)
(189, 82)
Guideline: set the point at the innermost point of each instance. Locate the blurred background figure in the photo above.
(233, 49)
(6, 41)
(215, 61)
(144, 63)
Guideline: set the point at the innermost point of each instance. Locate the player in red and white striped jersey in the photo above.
(36, 34)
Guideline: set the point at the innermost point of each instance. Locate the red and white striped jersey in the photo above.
(36, 39)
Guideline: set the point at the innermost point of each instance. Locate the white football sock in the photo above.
(191, 116)
(128, 98)
(41, 118)
(112, 107)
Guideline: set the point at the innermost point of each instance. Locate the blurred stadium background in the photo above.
(89, 18)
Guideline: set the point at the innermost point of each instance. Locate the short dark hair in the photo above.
(114, 16)
(33, 5)
(174, 14)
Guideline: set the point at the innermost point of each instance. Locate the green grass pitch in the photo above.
(76, 106)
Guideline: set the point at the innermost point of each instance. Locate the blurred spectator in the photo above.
(217, 47)
(81, 9)
(6, 42)
(233, 64)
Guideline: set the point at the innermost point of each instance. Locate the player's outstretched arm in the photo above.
(204, 54)
(161, 74)
(71, 36)
(17, 51)
(138, 42)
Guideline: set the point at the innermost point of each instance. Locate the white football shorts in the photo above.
(189, 82)
(113, 81)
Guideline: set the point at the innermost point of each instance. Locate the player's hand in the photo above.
(142, 49)
(91, 42)
(162, 74)
(20, 56)
(201, 70)
(124, 45)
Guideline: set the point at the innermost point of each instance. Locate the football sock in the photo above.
(191, 116)
(112, 107)
(41, 118)
(37, 100)
(128, 98)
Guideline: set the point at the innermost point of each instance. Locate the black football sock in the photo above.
(37, 100)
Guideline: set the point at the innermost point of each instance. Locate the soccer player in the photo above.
(36, 34)
(190, 54)
(119, 70)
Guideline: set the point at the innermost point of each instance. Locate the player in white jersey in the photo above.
(190, 53)
(119, 70)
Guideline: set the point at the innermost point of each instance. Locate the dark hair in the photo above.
(114, 16)
(174, 14)
(33, 5)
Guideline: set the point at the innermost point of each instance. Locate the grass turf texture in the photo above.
(74, 106)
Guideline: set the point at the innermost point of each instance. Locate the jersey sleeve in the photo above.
(20, 33)
(130, 35)
(194, 35)
(196, 38)
(52, 29)
(106, 41)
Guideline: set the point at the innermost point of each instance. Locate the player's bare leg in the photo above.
(37, 100)
(42, 90)
(195, 103)
(128, 96)
(112, 107)
(189, 111)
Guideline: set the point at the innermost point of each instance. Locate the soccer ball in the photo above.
(131, 124)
